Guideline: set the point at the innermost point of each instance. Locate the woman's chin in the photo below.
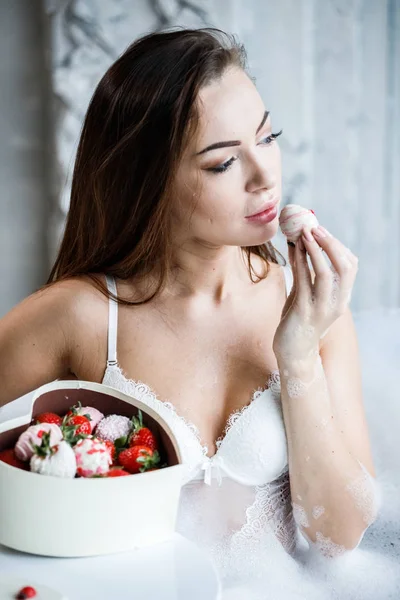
(261, 233)
(261, 238)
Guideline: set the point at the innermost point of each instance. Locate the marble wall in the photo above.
(329, 72)
(24, 159)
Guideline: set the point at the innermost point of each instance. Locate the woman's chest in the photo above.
(205, 382)
(208, 364)
(208, 370)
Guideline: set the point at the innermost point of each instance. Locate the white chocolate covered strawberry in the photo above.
(56, 460)
(294, 218)
(92, 457)
(113, 427)
(32, 436)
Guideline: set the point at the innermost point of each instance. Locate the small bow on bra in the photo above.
(212, 466)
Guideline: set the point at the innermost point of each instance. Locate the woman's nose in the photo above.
(261, 176)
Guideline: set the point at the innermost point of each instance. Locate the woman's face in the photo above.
(218, 189)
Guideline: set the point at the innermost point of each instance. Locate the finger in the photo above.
(323, 273)
(342, 287)
(304, 281)
(344, 264)
(292, 295)
(341, 257)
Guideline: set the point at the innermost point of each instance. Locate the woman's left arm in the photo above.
(341, 362)
(334, 495)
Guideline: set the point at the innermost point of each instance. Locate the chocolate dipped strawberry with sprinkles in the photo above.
(31, 437)
(92, 457)
(113, 427)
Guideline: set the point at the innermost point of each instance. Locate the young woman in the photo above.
(167, 287)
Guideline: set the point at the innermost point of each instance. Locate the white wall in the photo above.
(329, 71)
(24, 201)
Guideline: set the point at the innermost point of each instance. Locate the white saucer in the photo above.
(10, 585)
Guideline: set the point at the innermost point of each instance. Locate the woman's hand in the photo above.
(314, 304)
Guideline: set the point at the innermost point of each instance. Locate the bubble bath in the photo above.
(255, 565)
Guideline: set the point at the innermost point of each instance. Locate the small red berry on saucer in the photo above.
(26, 592)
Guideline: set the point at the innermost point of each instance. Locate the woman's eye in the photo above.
(225, 166)
(270, 138)
(222, 168)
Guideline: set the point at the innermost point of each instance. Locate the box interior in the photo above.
(59, 401)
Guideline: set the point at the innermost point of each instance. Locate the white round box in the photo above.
(53, 516)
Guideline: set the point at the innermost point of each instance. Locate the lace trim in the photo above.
(271, 510)
(269, 528)
(143, 392)
(273, 384)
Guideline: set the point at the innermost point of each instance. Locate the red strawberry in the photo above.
(83, 423)
(8, 456)
(74, 411)
(73, 414)
(49, 417)
(141, 436)
(116, 472)
(75, 428)
(26, 592)
(138, 459)
(111, 449)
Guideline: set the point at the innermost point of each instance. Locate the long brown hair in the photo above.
(134, 133)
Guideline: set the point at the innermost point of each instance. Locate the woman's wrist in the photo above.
(295, 364)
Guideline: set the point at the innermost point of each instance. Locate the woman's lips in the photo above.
(266, 215)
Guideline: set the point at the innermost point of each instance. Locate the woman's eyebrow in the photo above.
(232, 142)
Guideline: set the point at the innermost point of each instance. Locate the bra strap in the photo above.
(112, 322)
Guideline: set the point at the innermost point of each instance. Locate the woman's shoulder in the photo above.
(54, 331)
(80, 304)
(74, 296)
(73, 307)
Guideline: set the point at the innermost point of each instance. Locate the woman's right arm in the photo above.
(35, 342)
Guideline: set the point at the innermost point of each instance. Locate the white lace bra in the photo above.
(253, 450)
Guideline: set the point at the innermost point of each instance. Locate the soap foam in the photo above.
(371, 571)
